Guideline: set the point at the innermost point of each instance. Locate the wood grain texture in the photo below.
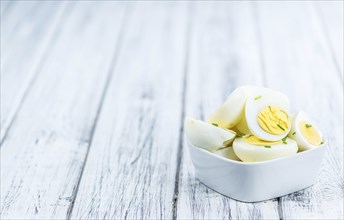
(331, 17)
(93, 96)
(130, 171)
(224, 54)
(25, 43)
(44, 152)
(298, 62)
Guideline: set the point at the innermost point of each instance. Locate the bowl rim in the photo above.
(298, 154)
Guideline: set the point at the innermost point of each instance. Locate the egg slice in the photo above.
(231, 111)
(227, 152)
(207, 136)
(242, 126)
(305, 132)
(266, 115)
(253, 149)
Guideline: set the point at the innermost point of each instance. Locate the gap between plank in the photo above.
(181, 130)
(101, 103)
(328, 40)
(280, 209)
(36, 70)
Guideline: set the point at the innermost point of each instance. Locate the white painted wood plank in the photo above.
(131, 166)
(331, 16)
(4, 6)
(27, 33)
(224, 54)
(298, 62)
(46, 147)
(130, 171)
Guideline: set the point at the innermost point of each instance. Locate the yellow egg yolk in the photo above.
(273, 120)
(311, 135)
(256, 141)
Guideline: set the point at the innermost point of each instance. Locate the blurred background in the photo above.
(94, 94)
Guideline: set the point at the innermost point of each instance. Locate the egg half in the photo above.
(207, 136)
(266, 115)
(305, 132)
(227, 152)
(231, 111)
(252, 149)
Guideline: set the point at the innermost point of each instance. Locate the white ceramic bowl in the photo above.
(257, 181)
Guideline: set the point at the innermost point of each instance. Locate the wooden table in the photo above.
(93, 97)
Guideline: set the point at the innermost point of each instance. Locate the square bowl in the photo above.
(256, 181)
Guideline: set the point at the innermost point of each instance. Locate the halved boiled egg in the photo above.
(231, 111)
(305, 132)
(207, 136)
(227, 152)
(266, 115)
(252, 149)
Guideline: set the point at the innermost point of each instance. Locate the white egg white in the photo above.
(231, 111)
(242, 126)
(227, 152)
(254, 153)
(207, 136)
(296, 134)
(255, 103)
